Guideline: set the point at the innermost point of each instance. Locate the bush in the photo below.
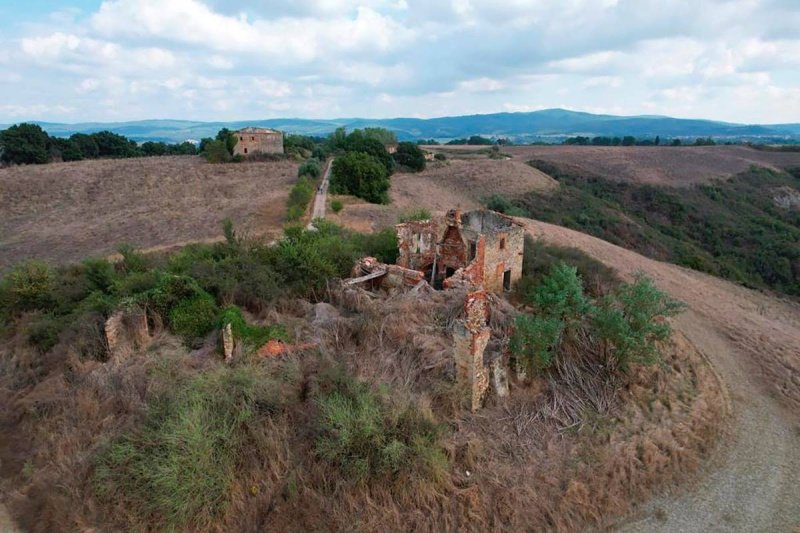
(28, 287)
(301, 194)
(416, 214)
(501, 204)
(440, 156)
(337, 205)
(253, 336)
(361, 175)
(539, 259)
(193, 319)
(624, 327)
(310, 168)
(371, 437)
(410, 156)
(176, 471)
(631, 322)
(216, 152)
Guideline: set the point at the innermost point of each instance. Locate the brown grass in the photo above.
(66, 211)
(516, 464)
(664, 165)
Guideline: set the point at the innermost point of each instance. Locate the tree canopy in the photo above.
(362, 175)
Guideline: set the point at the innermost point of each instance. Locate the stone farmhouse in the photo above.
(252, 141)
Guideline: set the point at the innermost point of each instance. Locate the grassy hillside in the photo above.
(740, 228)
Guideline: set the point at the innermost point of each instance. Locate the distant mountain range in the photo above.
(546, 125)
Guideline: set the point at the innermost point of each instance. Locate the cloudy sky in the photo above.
(92, 60)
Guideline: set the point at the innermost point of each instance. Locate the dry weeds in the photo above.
(66, 211)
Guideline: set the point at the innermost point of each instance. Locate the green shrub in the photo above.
(29, 286)
(337, 205)
(176, 471)
(631, 322)
(44, 331)
(301, 194)
(440, 156)
(416, 214)
(626, 325)
(501, 204)
(310, 168)
(253, 336)
(216, 152)
(410, 156)
(539, 259)
(371, 437)
(194, 318)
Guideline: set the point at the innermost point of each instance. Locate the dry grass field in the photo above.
(678, 166)
(459, 182)
(66, 211)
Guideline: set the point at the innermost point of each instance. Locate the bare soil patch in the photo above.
(66, 211)
(663, 165)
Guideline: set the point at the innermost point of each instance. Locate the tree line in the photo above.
(27, 144)
(630, 140)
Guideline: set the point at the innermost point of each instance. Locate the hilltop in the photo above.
(545, 125)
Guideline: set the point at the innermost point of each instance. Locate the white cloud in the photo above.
(231, 59)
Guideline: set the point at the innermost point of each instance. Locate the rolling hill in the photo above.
(548, 124)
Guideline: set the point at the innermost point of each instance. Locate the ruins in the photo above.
(250, 141)
(479, 251)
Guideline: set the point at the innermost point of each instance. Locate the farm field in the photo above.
(65, 211)
(675, 166)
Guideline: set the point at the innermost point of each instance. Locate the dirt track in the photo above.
(751, 339)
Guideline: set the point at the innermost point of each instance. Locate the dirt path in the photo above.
(320, 199)
(753, 341)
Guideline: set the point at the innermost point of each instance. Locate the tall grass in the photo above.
(177, 469)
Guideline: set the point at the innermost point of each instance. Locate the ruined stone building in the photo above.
(480, 251)
(258, 141)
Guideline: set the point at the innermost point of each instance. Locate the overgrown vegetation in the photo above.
(185, 289)
(627, 324)
(178, 467)
(415, 214)
(371, 436)
(362, 175)
(731, 228)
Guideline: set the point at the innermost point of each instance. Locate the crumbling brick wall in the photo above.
(503, 245)
(470, 338)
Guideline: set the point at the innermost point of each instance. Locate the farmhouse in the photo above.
(251, 141)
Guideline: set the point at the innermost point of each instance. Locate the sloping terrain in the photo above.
(753, 340)
(656, 165)
(66, 211)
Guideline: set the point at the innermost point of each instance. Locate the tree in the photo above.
(628, 140)
(65, 149)
(383, 135)
(658, 140)
(358, 141)
(151, 148)
(229, 138)
(86, 144)
(110, 144)
(362, 175)
(24, 144)
(410, 155)
(216, 152)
